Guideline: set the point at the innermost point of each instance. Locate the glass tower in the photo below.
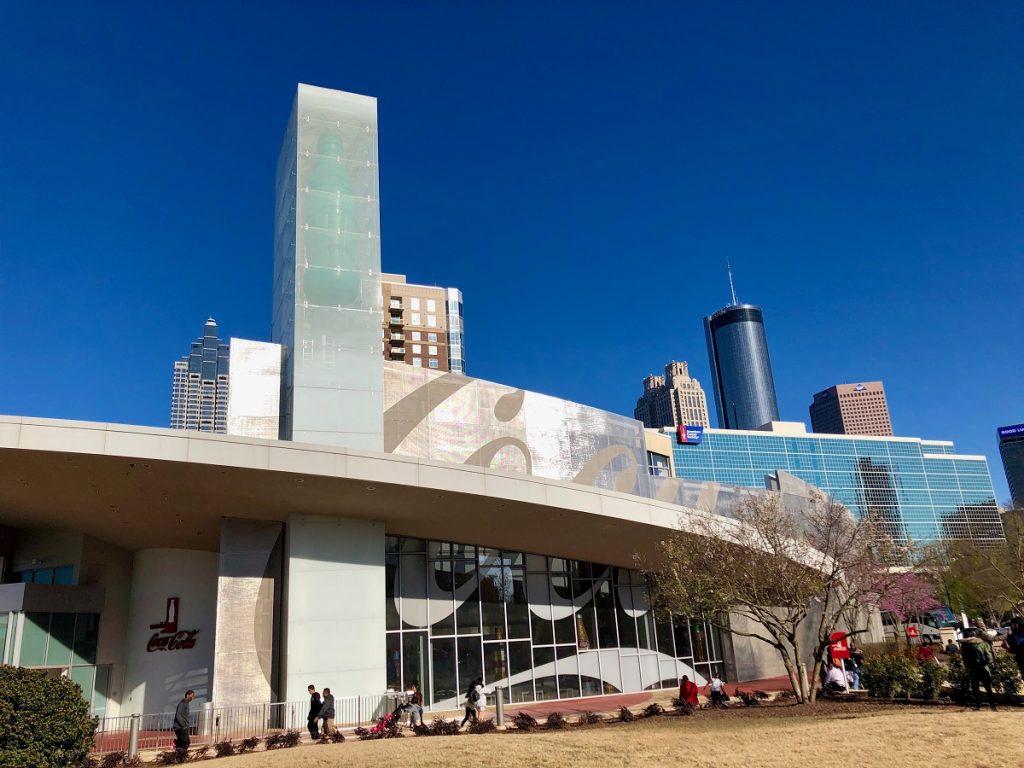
(741, 373)
(199, 393)
(917, 490)
(327, 292)
(1011, 451)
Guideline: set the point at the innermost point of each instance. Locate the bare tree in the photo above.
(989, 576)
(790, 571)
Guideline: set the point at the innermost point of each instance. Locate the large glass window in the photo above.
(542, 627)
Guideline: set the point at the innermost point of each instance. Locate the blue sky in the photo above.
(580, 170)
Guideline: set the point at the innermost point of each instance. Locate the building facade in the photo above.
(919, 490)
(672, 399)
(1011, 451)
(423, 325)
(200, 388)
(254, 404)
(851, 409)
(741, 371)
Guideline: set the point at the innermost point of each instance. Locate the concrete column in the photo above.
(334, 606)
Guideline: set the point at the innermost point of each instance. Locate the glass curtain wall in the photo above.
(543, 627)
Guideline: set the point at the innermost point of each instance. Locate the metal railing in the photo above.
(212, 724)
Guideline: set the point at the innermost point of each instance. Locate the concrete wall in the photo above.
(47, 549)
(334, 606)
(156, 680)
(247, 660)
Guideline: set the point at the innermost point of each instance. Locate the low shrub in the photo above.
(334, 737)
(115, 760)
(556, 721)
(524, 721)
(290, 738)
(43, 721)
(929, 686)
(273, 741)
(588, 718)
(89, 761)
(224, 748)
(1005, 679)
(197, 753)
(172, 757)
(438, 727)
(361, 732)
(482, 726)
(626, 715)
(887, 677)
(653, 710)
(248, 745)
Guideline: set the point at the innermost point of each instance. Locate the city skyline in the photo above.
(910, 208)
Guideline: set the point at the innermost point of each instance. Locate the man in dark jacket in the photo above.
(182, 718)
(977, 656)
(315, 705)
(327, 712)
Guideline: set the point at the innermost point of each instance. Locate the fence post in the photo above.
(499, 706)
(133, 736)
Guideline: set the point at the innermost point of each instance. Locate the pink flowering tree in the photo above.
(908, 597)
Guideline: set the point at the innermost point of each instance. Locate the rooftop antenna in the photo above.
(732, 288)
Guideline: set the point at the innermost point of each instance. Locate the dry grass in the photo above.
(831, 737)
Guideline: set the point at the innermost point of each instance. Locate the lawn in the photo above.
(826, 735)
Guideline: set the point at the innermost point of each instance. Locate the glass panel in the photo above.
(87, 631)
(568, 672)
(469, 661)
(393, 643)
(463, 551)
(414, 591)
(442, 605)
(64, 575)
(3, 636)
(544, 669)
(519, 664)
(681, 629)
(517, 607)
(101, 692)
(605, 606)
(645, 631)
(62, 637)
(495, 663)
(414, 661)
(664, 629)
(467, 598)
(700, 642)
(564, 615)
(43, 576)
(536, 563)
(491, 603)
(84, 676)
(443, 657)
(390, 581)
(412, 545)
(33, 639)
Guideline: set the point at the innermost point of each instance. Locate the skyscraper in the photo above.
(672, 399)
(327, 286)
(199, 394)
(851, 409)
(1011, 450)
(423, 325)
(741, 372)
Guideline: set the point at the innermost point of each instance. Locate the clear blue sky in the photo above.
(580, 170)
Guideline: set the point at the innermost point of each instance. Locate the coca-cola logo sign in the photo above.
(168, 637)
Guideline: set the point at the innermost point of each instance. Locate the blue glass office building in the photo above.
(919, 490)
(741, 372)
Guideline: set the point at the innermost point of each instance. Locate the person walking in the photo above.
(313, 717)
(182, 722)
(472, 697)
(327, 712)
(977, 656)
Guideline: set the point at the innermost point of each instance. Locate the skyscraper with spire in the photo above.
(741, 371)
(199, 393)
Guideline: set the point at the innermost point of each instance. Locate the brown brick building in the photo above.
(851, 409)
(423, 325)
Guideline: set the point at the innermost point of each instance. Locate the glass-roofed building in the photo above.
(920, 490)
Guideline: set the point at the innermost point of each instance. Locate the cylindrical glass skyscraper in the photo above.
(741, 371)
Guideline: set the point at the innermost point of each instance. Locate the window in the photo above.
(415, 302)
(416, 318)
(417, 362)
(431, 350)
(431, 337)
(417, 335)
(417, 349)
(431, 305)
(432, 362)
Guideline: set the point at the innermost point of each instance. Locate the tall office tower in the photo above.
(199, 394)
(741, 372)
(1011, 450)
(851, 409)
(672, 399)
(423, 325)
(327, 288)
